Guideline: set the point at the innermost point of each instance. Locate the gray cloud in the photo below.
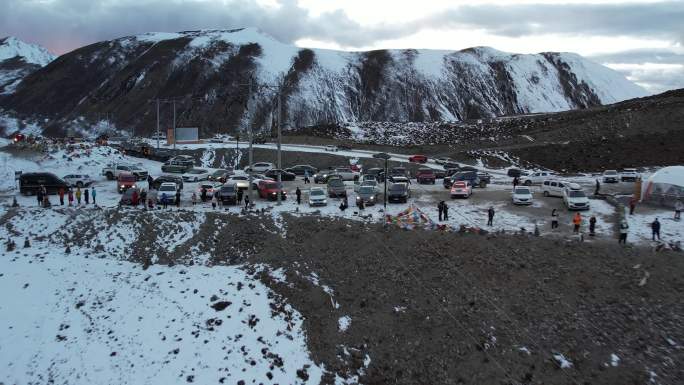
(62, 25)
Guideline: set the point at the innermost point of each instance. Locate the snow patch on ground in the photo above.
(343, 323)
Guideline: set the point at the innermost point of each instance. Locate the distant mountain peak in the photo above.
(11, 47)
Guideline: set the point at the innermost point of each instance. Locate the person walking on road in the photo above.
(86, 196)
(446, 211)
(306, 177)
(490, 216)
(655, 229)
(246, 201)
(150, 182)
(516, 182)
(576, 221)
(93, 193)
(624, 228)
(61, 196)
(592, 226)
(554, 219)
(440, 209)
(298, 193)
(678, 210)
(193, 198)
(598, 187)
(70, 196)
(632, 205)
(78, 196)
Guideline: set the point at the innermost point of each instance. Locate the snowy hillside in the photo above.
(17, 60)
(319, 86)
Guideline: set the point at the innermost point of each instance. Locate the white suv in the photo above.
(574, 198)
(553, 188)
(537, 177)
(629, 175)
(78, 180)
(611, 176)
(260, 167)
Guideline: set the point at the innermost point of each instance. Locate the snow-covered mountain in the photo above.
(318, 86)
(17, 60)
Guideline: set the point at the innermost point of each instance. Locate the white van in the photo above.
(553, 188)
(574, 197)
(536, 177)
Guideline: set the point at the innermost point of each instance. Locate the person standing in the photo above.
(655, 229)
(164, 200)
(516, 181)
(39, 196)
(624, 227)
(239, 197)
(193, 198)
(490, 216)
(246, 201)
(576, 221)
(554, 219)
(70, 196)
(214, 202)
(86, 196)
(143, 198)
(592, 226)
(306, 177)
(178, 198)
(446, 211)
(61, 196)
(678, 210)
(134, 198)
(78, 196)
(632, 205)
(298, 193)
(598, 187)
(93, 193)
(150, 182)
(203, 194)
(440, 209)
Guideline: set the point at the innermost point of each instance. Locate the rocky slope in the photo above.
(318, 86)
(17, 60)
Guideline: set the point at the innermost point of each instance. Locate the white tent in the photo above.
(664, 187)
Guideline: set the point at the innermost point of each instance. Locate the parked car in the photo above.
(629, 175)
(398, 171)
(440, 174)
(368, 182)
(471, 176)
(485, 177)
(399, 179)
(611, 176)
(125, 181)
(317, 197)
(346, 173)
(398, 192)
(127, 197)
(443, 160)
(537, 177)
(425, 176)
(515, 173)
(211, 187)
(553, 188)
(367, 194)
(78, 180)
(270, 190)
(336, 188)
(112, 171)
(461, 189)
(344, 147)
(220, 175)
(156, 183)
(29, 183)
(260, 167)
(227, 193)
(168, 188)
(331, 148)
(522, 195)
(195, 175)
(378, 173)
(284, 175)
(574, 197)
(240, 180)
(452, 165)
(418, 159)
(301, 169)
(178, 165)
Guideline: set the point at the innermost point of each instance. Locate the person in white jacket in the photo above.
(624, 228)
(678, 210)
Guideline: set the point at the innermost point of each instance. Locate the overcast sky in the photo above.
(644, 39)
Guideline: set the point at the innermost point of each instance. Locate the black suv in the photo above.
(471, 176)
(227, 194)
(301, 169)
(29, 183)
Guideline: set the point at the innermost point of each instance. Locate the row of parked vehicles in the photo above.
(572, 194)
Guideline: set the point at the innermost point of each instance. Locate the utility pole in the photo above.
(174, 124)
(280, 159)
(251, 140)
(157, 124)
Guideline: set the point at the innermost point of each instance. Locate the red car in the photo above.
(418, 159)
(269, 189)
(426, 175)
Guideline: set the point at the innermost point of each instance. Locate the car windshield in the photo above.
(167, 188)
(227, 189)
(127, 178)
(317, 192)
(196, 171)
(239, 177)
(219, 172)
(271, 186)
(335, 182)
(371, 183)
(426, 171)
(398, 187)
(577, 194)
(366, 190)
(611, 172)
(522, 191)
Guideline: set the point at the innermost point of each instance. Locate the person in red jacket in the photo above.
(61, 196)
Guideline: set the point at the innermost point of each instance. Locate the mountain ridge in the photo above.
(318, 85)
(18, 59)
